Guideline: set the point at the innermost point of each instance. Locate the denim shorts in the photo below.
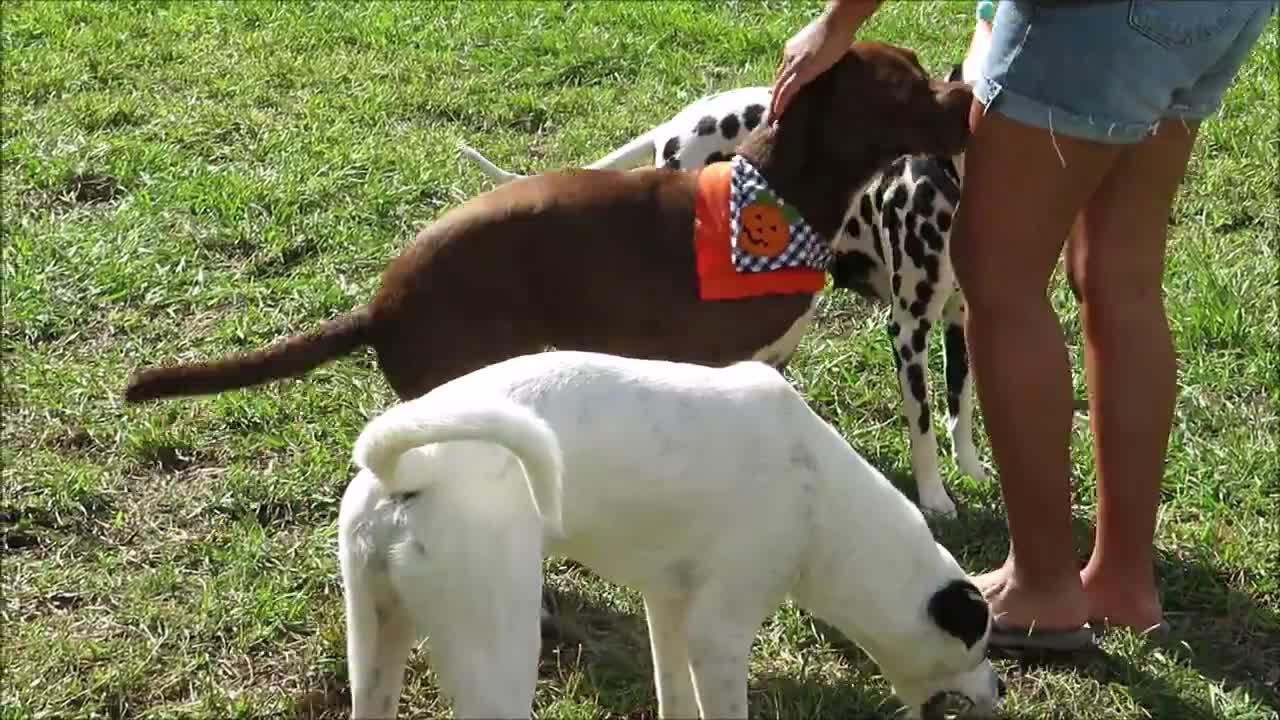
(1111, 70)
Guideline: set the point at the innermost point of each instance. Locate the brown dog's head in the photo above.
(878, 96)
(878, 100)
(874, 105)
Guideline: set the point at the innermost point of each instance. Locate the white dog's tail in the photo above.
(431, 419)
(495, 173)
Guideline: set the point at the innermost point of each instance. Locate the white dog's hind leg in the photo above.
(380, 635)
(481, 583)
(668, 621)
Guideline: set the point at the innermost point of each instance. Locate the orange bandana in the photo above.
(718, 276)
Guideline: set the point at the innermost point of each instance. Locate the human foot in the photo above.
(1030, 618)
(1122, 604)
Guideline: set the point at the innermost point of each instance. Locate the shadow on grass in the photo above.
(604, 654)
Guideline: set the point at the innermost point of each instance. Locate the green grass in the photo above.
(185, 179)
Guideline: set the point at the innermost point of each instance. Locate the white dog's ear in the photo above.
(960, 610)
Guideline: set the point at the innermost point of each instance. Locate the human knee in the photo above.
(1113, 292)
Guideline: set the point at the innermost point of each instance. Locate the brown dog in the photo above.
(603, 260)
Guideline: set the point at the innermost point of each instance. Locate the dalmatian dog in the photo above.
(892, 250)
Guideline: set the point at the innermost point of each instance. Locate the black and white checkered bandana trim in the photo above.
(806, 248)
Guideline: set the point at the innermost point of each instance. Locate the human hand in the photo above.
(815, 48)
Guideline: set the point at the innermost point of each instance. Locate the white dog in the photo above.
(715, 492)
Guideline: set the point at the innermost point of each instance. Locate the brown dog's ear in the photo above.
(952, 130)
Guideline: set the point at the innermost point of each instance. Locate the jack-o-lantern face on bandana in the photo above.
(766, 226)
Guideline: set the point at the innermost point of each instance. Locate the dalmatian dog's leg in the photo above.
(909, 335)
(960, 390)
(919, 254)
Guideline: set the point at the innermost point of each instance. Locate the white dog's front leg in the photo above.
(719, 650)
(668, 641)
(910, 337)
(960, 391)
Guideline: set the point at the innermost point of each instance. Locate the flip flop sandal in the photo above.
(1158, 631)
(1023, 638)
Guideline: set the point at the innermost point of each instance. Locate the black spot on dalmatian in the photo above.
(898, 200)
(906, 352)
(920, 334)
(864, 209)
(931, 268)
(897, 284)
(670, 148)
(958, 608)
(672, 164)
(875, 235)
(852, 227)
(895, 249)
(729, 126)
(923, 199)
(403, 498)
(956, 74)
(852, 271)
(893, 329)
(957, 356)
(715, 157)
(911, 223)
(924, 417)
(924, 293)
(944, 220)
(752, 116)
(931, 236)
(706, 125)
(914, 248)
(915, 380)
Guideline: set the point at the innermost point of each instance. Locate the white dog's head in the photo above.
(947, 656)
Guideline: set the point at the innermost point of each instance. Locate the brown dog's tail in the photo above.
(289, 357)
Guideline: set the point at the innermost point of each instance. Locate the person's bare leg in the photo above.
(1116, 259)
(1019, 201)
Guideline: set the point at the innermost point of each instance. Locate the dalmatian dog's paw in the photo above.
(966, 458)
(937, 503)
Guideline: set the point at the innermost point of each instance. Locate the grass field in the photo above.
(185, 179)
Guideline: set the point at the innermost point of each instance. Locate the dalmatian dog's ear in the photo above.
(960, 610)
